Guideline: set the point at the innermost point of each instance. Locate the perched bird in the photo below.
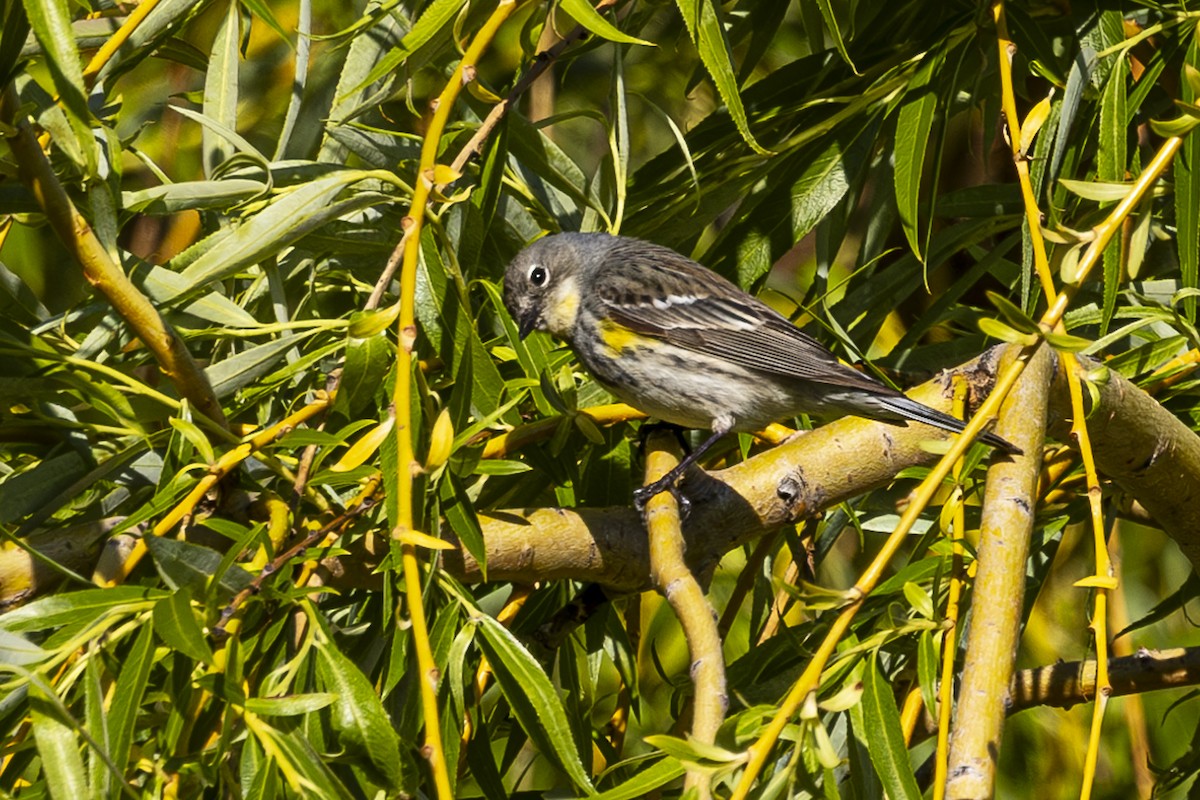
(676, 340)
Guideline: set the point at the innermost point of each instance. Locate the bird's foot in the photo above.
(667, 483)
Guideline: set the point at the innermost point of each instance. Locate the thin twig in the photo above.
(542, 62)
(219, 631)
(403, 485)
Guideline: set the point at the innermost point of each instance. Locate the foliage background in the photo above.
(886, 210)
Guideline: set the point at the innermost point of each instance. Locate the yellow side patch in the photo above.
(618, 338)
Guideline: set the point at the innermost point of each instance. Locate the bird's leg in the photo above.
(647, 428)
(642, 495)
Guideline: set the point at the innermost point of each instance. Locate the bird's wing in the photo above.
(714, 317)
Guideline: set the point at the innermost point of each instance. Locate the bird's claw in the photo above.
(642, 495)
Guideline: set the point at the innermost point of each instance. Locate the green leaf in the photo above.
(1013, 314)
(12, 39)
(914, 128)
(433, 19)
(1187, 195)
(191, 431)
(459, 511)
(79, 608)
(500, 466)
(919, 599)
(704, 25)
(358, 717)
(1100, 191)
(533, 699)
(240, 370)
(51, 24)
(367, 362)
(440, 304)
(289, 217)
(23, 493)
(306, 770)
(132, 681)
(884, 737)
(171, 198)
(1111, 159)
(1179, 126)
(364, 55)
(693, 751)
(240, 143)
(645, 782)
(835, 31)
(806, 186)
(57, 744)
(928, 665)
(291, 705)
(998, 330)
(175, 623)
(221, 89)
(19, 651)
(586, 15)
(183, 564)
(1066, 343)
(365, 324)
(260, 9)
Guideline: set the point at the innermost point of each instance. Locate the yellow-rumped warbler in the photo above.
(679, 342)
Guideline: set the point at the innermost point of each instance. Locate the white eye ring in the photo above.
(538, 275)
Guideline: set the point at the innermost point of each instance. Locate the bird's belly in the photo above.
(690, 389)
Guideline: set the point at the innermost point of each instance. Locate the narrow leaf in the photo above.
(80, 607)
(185, 564)
(534, 700)
(358, 716)
(1111, 167)
(51, 24)
(703, 21)
(835, 31)
(289, 217)
(221, 89)
(58, 745)
(586, 15)
(914, 125)
(884, 737)
(176, 625)
(1187, 199)
(131, 687)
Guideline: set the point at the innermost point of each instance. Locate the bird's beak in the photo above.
(527, 323)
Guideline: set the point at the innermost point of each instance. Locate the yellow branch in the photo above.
(1008, 101)
(427, 176)
(122, 34)
(1102, 581)
(671, 576)
(950, 635)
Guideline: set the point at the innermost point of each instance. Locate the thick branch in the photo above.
(672, 578)
(1143, 448)
(1064, 684)
(1008, 509)
(798, 479)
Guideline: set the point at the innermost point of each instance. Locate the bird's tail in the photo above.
(909, 409)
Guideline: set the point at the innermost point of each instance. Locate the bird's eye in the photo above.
(538, 275)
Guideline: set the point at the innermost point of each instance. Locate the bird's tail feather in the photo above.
(908, 408)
